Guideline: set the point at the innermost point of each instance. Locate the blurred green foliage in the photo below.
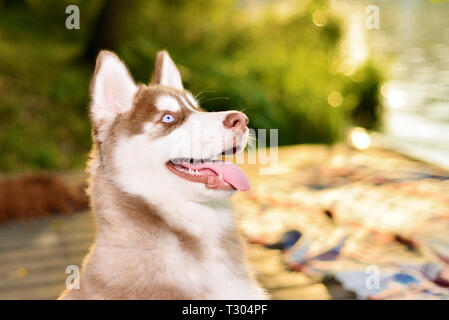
(278, 67)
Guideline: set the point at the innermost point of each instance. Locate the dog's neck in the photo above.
(133, 217)
(136, 238)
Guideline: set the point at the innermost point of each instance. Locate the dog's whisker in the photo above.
(199, 96)
(217, 98)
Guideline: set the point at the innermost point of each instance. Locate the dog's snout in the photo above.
(236, 120)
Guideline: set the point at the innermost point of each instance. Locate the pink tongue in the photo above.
(231, 173)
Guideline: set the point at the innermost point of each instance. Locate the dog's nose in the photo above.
(236, 120)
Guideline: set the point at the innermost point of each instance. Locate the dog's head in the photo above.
(153, 140)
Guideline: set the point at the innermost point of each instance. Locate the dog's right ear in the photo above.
(112, 91)
(165, 72)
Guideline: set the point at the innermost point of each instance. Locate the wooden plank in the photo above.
(49, 290)
(34, 255)
(35, 278)
(40, 253)
(41, 262)
(45, 231)
(16, 275)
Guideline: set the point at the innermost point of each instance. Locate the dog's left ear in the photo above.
(166, 73)
(112, 91)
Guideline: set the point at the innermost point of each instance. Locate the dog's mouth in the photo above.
(215, 174)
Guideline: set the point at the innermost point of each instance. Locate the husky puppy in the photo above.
(159, 194)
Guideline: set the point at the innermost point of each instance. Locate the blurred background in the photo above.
(320, 71)
(312, 69)
(290, 65)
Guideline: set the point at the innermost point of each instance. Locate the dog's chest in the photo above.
(211, 273)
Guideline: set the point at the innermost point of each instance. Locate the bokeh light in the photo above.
(335, 99)
(319, 18)
(359, 138)
(394, 97)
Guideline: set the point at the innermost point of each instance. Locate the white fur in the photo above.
(167, 103)
(202, 212)
(113, 92)
(191, 101)
(139, 169)
(170, 76)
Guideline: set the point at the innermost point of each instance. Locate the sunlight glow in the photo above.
(359, 138)
(354, 46)
(395, 98)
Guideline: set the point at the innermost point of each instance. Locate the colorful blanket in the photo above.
(375, 221)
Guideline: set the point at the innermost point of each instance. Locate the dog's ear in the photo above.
(165, 72)
(112, 91)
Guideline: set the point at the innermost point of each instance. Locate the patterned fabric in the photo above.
(375, 221)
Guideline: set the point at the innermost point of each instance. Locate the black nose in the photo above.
(236, 120)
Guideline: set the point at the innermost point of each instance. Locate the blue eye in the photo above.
(168, 118)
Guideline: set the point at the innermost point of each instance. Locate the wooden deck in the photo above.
(34, 257)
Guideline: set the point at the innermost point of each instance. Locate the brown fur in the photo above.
(145, 110)
(146, 225)
(131, 123)
(133, 235)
